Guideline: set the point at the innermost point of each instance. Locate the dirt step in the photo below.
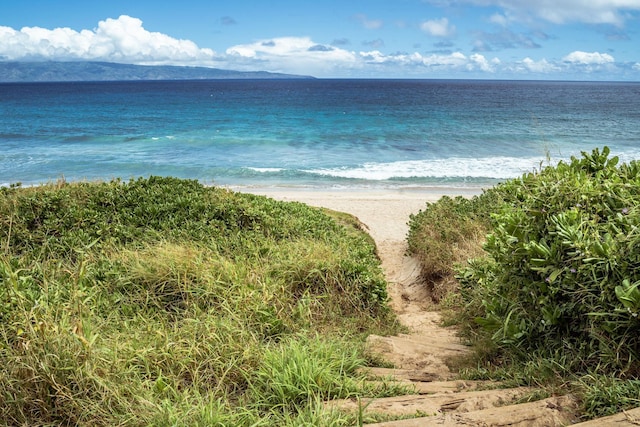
(418, 352)
(425, 386)
(434, 404)
(423, 375)
(434, 387)
(428, 343)
(551, 412)
(625, 419)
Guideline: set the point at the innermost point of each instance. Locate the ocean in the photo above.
(311, 134)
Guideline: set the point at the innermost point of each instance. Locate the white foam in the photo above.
(266, 170)
(455, 167)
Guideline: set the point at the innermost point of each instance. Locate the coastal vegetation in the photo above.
(542, 273)
(160, 301)
(163, 302)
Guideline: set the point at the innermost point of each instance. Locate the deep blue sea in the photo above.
(310, 133)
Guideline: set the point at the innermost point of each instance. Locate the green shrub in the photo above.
(563, 268)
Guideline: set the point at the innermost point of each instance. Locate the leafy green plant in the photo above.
(562, 269)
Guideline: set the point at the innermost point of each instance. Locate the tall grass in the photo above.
(446, 234)
(161, 302)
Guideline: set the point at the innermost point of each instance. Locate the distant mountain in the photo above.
(108, 71)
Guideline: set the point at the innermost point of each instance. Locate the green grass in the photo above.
(445, 235)
(162, 302)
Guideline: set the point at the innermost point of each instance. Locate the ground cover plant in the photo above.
(163, 302)
(557, 289)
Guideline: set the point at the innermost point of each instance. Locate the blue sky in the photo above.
(489, 39)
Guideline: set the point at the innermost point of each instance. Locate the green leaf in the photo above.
(554, 275)
(629, 295)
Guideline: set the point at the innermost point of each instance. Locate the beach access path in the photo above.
(422, 357)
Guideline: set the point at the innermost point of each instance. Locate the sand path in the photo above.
(385, 215)
(421, 357)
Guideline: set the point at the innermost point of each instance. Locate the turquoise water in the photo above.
(310, 133)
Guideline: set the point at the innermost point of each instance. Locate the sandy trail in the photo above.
(420, 357)
(385, 214)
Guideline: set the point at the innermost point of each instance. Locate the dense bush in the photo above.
(163, 302)
(563, 268)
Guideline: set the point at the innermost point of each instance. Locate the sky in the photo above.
(466, 39)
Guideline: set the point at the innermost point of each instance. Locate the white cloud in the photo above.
(576, 65)
(499, 19)
(117, 40)
(435, 63)
(369, 24)
(301, 55)
(589, 58)
(373, 57)
(291, 55)
(481, 62)
(561, 11)
(542, 66)
(453, 60)
(438, 27)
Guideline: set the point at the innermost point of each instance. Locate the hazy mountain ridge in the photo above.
(11, 72)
